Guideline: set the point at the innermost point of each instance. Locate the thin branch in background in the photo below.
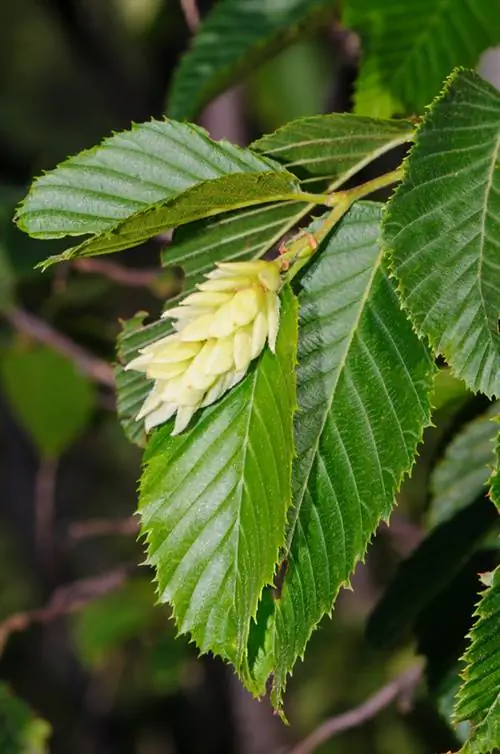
(65, 600)
(191, 14)
(45, 489)
(117, 273)
(97, 369)
(103, 527)
(400, 689)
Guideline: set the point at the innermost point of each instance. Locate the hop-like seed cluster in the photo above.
(220, 329)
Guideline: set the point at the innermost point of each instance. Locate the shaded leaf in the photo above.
(495, 477)
(363, 391)
(478, 700)
(108, 622)
(233, 38)
(129, 172)
(20, 731)
(214, 499)
(408, 49)
(48, 396)
(461, 476)
(443, 226)
(428, 570)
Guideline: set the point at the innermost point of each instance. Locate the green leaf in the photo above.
(408, 49)
(129, 172)
(48, 396)
(20, 731)
(203, 200)
(214, 500)
(364, 381)
(294, 84)
(429, 570)
(443, 226)
(478, 700)
(349, 142)
(334, 146)
(107, 623)
(462, 475)
(495, 477)
(236, 36)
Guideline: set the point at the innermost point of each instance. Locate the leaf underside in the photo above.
(213, 501)
(364, 381)
(348, 143)
(428, 571)
(461, 476)
(409, 48)
(443, 227)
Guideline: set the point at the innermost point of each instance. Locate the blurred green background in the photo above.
(110, 678)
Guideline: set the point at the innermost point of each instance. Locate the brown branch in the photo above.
(65, 600)
(191, 14)
(36, 328)
(103, 527)
(117, 273)
(401, 688)
(45, 491)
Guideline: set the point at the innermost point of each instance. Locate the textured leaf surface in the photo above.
(349, 142)
(479, 698)
(409, 48)
(461, 476)
(130, 171)
(203, 200)
(429, 570)
(214, 500)
(332, 146)
(443, 226)
(232, 39)
(49, 397)
(363, 392)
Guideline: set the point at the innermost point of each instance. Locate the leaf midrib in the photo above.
(315, 447)
(484, 214)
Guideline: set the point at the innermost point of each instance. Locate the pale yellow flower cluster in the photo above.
(220, 329)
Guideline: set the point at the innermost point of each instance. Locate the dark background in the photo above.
(110, 678)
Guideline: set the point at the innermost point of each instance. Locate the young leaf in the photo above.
(129, 172)
(478, 700)
(364, 380)
(429, 570)
(410, 48)
(330, 148)
(232, 39)
(49, 397)
(461, 476)
(214, 500)
(349, 142)
(333, 146)
(443, 227)
(203, 200)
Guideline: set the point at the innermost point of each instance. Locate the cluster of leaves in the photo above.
(256, 516)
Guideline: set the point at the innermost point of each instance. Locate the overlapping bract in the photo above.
(220, 329)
